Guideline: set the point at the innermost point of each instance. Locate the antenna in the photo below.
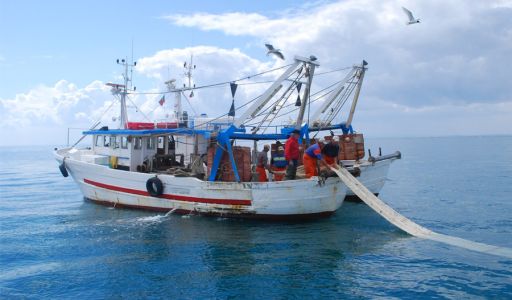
(134, 64)
(171, 84)
(188, 74)
(122, 89)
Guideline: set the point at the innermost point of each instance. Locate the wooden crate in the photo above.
(351, 146)
(242, 156)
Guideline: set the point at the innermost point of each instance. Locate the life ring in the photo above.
(155, 186)
(63, 170)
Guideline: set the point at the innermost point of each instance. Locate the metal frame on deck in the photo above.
(238, 131)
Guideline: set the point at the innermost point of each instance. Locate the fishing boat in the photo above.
(202, 165)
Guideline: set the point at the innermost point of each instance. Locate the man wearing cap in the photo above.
(278, 163)
(262, 164)
(331, 150)
(291, 154)
(312, 157)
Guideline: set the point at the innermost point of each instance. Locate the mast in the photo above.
(122, 90)
(171, 87)
(310, 69)
(362, 70)
(334, 95)
(123, 120)
(188, 70)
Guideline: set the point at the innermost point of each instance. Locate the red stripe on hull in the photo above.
(169, 196)
(267, 217)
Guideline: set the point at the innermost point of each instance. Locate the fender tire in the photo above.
(155, 186)
(63, 171)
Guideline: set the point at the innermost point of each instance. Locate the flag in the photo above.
(162, 101)
(299, 85)
(232, 109)
(233, 88)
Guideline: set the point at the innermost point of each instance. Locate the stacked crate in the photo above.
(242, 157)
(351, 146)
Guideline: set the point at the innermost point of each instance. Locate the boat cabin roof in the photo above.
(173, 131)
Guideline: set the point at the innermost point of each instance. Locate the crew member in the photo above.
(262, 164)
(291, 154)
(312, 159)
(331, 150)
(278, 163)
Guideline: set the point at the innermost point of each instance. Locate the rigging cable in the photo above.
(139, 110)
(314, 94)
(214, 84)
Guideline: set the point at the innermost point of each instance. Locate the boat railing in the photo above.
(70, 129)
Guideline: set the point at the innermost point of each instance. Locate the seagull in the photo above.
(412, 20)
(272, 50)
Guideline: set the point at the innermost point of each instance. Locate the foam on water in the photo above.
(150, 219)
(156, 218)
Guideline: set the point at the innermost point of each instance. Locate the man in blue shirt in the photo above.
(279, 163)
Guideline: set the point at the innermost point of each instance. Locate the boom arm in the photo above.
(269, 93)
(252, 111)
(333, 96)
(356, 95)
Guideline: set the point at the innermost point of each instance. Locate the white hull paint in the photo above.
(296, 198)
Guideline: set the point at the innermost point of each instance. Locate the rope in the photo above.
(213, 84)
(271, 108)
(312, 101)
(139, 110)
(186, 98)
(98, 122)
(332, 71)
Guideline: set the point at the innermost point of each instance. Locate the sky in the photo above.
(448, 75)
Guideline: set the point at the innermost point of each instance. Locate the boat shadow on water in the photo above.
(352, 231)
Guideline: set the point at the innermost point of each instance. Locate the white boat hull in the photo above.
(285, 199)
(373, 176)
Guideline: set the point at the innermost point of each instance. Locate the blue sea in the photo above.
(53, 245)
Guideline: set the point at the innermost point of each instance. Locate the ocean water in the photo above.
(53, 245)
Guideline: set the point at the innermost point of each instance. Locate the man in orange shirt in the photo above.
(262, 164)
(312, 157)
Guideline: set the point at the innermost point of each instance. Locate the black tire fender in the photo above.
(155, 186)
(63, 170)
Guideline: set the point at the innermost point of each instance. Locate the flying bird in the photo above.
(272, 50)
(412, 20)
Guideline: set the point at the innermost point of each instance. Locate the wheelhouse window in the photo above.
(124, 142)
(113, 142)
(137, 143)
(151, 143)
(99, 141)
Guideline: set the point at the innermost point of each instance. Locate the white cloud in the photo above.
(56, 104)
(213, 65)
(66, 105)
(446, 75)
(458, 53)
